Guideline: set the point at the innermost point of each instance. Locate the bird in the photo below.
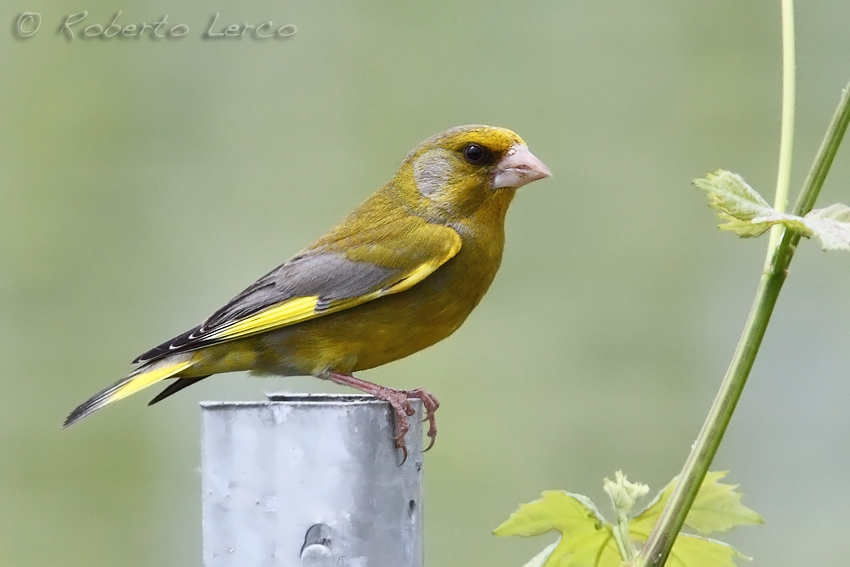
(397, 275)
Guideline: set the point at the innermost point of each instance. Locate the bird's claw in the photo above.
(431, 404)
(402, 409)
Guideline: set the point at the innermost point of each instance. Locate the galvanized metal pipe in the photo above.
(310, 481)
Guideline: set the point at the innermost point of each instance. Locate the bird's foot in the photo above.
(431, 404)
(400, 404)
(402, 410)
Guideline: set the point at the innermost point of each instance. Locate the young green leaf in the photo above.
(831, 225)
(737, 203)
(540, 559)
(624, 494)
(597, 549)
(586, 539)
(747, 214)
(696, 551)
(717, 508)
(570, 514)
(591, 549)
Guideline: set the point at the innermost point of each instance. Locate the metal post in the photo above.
(310, 481)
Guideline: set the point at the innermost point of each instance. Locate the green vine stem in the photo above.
(786, 139)
(657, 548)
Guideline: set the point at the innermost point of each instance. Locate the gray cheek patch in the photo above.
(432, 171)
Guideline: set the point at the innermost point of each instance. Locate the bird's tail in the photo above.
(138, 380)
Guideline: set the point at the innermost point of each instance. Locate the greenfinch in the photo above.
(400, 273)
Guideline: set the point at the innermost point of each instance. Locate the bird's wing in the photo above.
(333, 276)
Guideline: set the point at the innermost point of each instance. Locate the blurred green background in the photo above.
(143, 183)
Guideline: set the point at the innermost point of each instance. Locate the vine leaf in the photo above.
(831, 225)
(747, 214)
(540, 559)
(736, 202)
(588, 540)
(717, 508)
(570, 514)
(695, 551)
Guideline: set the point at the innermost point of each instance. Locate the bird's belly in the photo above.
(366, 336)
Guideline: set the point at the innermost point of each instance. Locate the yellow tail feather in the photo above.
(128, 386)
(141, 381)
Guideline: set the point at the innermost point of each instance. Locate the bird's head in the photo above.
(457, 171)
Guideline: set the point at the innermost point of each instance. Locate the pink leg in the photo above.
(402, 409)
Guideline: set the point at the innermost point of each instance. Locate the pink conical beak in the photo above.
(519, 167)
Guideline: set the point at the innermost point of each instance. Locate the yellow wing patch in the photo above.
(421, 272)
(287, 313)
(301, 309)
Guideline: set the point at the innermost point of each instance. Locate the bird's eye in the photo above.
(477, 155)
